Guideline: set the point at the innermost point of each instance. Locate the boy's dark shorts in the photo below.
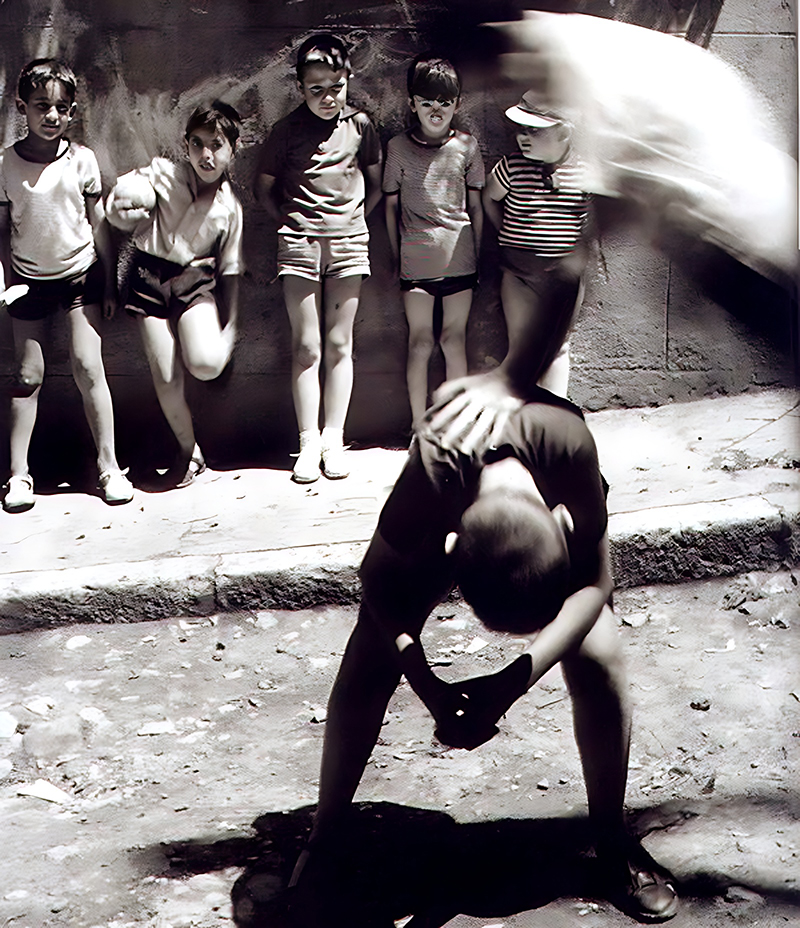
(163, 289)
(45, 297)
(444, 286)
(540, 273)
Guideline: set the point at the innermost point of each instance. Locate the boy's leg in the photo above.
(596, 679)
(419, 314)
(303, 304)
(341, 304)
(556, 377)
(205, 349)
(166, 367)
(90, 377)
(455, 313)
(28, 339)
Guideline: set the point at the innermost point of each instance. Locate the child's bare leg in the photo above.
(303, 304)
(368, 675)
(419, 313)
(455, 312)
(596, 679)
(166, 367)
(556, 377)
(28, 338)
(341, 304)
(205, 348)
(90, 377)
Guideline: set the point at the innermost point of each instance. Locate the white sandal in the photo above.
(19, 494)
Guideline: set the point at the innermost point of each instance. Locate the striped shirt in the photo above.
(544, 212)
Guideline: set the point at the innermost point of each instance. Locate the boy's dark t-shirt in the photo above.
(548, 436)
(318, 166)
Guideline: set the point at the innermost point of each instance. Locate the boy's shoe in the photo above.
(641, 889)
(334, 465)
(306, 467)
(195, 467)
(116, 487)
(19, 494)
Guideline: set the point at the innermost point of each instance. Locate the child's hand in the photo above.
(12, 293)
(469, 414)
(109, 301)
(484, 700)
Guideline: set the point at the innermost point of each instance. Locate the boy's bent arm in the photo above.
(105, 252)
(392, 201)
(574, 621)
(372, 185)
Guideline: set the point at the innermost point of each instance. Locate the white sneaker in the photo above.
(334, 465)
(19, 494)
(116, 487)
(306, 467)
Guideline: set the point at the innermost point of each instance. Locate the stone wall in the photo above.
(648, 332)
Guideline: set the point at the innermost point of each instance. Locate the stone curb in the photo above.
(661, 545)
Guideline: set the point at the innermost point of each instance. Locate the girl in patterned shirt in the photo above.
(540, 231)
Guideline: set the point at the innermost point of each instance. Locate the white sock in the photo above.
(332, 438)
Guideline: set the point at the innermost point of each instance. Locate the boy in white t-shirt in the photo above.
(60, 258)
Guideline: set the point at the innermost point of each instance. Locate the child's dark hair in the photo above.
(433, 78)
(40, 72)
(216, 115)
(511, 564)
(322, 48)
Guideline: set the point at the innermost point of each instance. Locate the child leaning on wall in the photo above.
(319, 175)
(541, 227)
(432, 182)
(61, 259)
(183, 287)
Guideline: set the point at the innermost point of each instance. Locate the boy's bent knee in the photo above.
(26, 384)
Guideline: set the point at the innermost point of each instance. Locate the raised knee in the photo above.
(27, 383)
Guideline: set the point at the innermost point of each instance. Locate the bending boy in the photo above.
(522, 530)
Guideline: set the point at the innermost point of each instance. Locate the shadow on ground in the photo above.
(398, 860)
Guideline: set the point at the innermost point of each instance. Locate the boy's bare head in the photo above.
(433, 78)
(217, 116)
(322, 49)
(42, 71)
(512, 562)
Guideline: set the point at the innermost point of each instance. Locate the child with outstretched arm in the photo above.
(61, 259)
(432, 182)
(184, 281)
(319, 176)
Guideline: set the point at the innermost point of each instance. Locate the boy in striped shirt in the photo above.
(540, 230)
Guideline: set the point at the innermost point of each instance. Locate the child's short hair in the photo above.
(40, 72)
(512, 563)
(322, 48)
(216, 115)
(433, 78)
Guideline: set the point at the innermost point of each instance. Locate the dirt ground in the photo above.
(145, 768)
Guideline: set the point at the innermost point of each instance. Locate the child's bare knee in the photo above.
(307, 355)
(27, 382)
(421, 344)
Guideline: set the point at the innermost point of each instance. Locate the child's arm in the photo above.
(105, 252)
(475, 212)
(372, 185)
(264, 190)
(493, 193)
(392, 203)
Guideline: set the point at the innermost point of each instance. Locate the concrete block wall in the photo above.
(648, 332)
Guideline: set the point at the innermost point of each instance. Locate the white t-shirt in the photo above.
(182, 229)
(51, 237)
